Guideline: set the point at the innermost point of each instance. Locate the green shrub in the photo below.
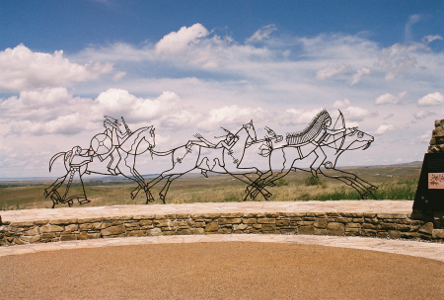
(281, 182)
(312, 180)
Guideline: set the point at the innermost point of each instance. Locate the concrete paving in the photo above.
(434, 251)
(370, 206)
(427, 250)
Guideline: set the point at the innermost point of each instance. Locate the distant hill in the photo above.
(414, 164)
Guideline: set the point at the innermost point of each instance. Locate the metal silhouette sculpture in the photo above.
(112, 152)
(320, 143)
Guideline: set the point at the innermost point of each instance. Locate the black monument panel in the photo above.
(430, 192)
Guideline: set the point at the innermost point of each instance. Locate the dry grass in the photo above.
(393, 182)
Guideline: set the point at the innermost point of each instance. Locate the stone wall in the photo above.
(437, 141)
(384, 225)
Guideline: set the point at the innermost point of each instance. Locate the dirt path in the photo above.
(231, 270)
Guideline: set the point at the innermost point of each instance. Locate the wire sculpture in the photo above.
(114, 152)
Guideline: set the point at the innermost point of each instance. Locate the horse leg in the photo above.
(361, 186)
(149, 185)
(251, 183)
(165, 188)
(54, 186)
(258, 186)
(85, 200)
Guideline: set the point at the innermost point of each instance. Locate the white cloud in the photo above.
(119, 75)
(352, 113)
(384, 128)
(66, 125)
(23, 69)
(422, 114)
(425, 137)
(338, 70)
(413, 19)
(299, 116)
(431, 38)
(332, 70)
(167, 106)
(431, 99)
(262, 34)
(355, 113)
(359, 73)
(54, 111)
(178, 42)
(387, 99)
(399, 60)
(213, 81)
(341, 104)
(230, 115)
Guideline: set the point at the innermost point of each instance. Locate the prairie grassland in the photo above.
(394, 182)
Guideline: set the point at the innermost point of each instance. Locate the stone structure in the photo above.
(437, 141)
(384, 225)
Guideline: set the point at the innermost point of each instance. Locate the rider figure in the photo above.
(227, 143)
(112, 130)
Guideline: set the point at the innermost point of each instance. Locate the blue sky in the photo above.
(190, 66)
(73, 25)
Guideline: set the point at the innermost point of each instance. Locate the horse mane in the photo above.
(310, 132)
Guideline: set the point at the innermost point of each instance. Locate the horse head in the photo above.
(153, 137)
(356, 139)
(249, 127)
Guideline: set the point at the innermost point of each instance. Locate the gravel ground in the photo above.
(230, 270)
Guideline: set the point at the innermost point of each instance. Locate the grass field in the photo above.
(394, 182)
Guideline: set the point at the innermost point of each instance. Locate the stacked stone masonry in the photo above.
(416, 226)
(437, 141)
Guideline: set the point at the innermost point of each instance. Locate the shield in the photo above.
(101, 143)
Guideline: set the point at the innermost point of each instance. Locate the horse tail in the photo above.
(54, 158)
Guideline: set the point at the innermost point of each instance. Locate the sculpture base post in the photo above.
(430, 192)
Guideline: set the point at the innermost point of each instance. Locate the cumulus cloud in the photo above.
(342, 103)
(400, 59)
(23, 69)
(352, 113)
(388, 98)
(177, 42)
(66, 125)
(54, 111)
(384, 128)
(431, 99)
(165, 107)
(262, 34)
(299, 116)
(229, 116)
(422, 114)
(338, 70)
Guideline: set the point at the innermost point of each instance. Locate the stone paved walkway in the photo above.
(433, 251)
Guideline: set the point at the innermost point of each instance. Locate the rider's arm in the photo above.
(333, 131)
(229, 144)
(207, 142)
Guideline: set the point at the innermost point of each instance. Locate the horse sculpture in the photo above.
(224, 157)
(114, 152)
(93, 160)
(324, 146)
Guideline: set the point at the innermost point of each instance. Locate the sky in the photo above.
(190, 67)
